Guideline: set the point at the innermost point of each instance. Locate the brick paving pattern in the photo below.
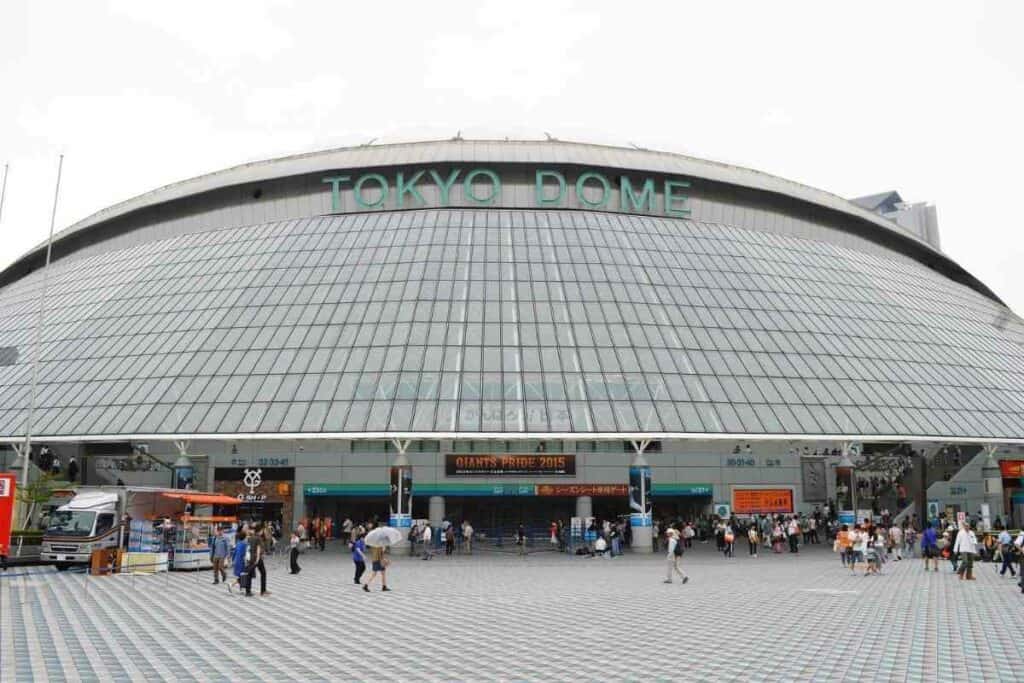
(498, 616)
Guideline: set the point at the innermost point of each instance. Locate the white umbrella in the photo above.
(383, 536)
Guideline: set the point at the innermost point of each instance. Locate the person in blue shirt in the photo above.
(359, 557)
(930, 547)
(238, 560)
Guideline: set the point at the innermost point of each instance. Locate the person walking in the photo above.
(930, 547)
(359, 558)
(239, 561)
(379, 565)
(428, 534)
(752, 540)
(965, 546)
(793, 531)
(521, 539)
(675, 552)
(256, 555)
(728, 541)
(1018, 543)
(219, 555)
(843, 544)
(896, 541)
(293, 553)
(1006, 548)
(449, 540)
(467, 537)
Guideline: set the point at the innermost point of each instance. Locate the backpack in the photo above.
(678, 550)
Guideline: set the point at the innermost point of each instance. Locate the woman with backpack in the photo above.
(675, 553)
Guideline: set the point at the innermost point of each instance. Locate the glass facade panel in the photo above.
(494, 320)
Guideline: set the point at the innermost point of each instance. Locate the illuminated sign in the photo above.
(576, 490)
(762, 501)
(538, 464)
(592, 189)
(1012, 469)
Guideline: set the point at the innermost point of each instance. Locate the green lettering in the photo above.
(671, 198)
(358, 190)
(402, 188)
(644, 202)
(336, 181)
(549, 201)
(467, 186)
(444, 185)
(606, 189)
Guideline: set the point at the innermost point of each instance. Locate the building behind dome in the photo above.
(513, 325)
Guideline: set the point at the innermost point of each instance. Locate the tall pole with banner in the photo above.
(7, 487)
(640, 522)
(401, 494)
(845, 509)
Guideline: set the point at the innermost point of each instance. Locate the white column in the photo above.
(642, 533)
(436, 511)
(584, 507)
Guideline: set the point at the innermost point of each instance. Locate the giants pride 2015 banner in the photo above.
(6, 511)
(532, 464)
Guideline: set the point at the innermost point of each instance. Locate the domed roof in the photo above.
(501, 322)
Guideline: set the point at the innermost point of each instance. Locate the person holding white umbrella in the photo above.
(379, 539)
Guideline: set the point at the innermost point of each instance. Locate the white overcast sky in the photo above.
(854, 98)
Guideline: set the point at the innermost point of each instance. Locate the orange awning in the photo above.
(203, 498)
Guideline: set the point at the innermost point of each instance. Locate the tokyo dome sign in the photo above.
(546, 188)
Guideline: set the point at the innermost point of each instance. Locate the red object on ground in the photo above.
(6, 511)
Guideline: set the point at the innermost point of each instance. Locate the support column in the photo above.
(640, 508)
(401, 491)
(584, 507)
(846, 511)
(435, 511)
(992, 478)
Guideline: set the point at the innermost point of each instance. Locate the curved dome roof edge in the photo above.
(500, 151)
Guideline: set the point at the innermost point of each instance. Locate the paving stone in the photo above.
(497, 616)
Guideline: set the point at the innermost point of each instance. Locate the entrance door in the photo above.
(358, 509)
(503, 515)
(680, 507)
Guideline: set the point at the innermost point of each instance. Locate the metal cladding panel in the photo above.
(494, 321)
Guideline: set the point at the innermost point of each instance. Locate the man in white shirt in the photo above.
(896, 541)
(1006, 549)
(425, 537)
(966, 546)
(467, 537)
(672, 559)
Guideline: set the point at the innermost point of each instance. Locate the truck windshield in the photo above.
(71, 523)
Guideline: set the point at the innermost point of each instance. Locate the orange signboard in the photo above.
(1012, 469)
(582, 490)
(762, 501)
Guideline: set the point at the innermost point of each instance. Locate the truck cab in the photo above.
(76, 529)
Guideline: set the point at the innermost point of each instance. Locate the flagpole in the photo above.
(38, 347)
(3, 190)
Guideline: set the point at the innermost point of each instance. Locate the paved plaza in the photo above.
(498, 616)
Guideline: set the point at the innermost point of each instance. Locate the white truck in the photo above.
(91, 520)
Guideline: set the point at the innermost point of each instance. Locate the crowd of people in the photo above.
(872, 545)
